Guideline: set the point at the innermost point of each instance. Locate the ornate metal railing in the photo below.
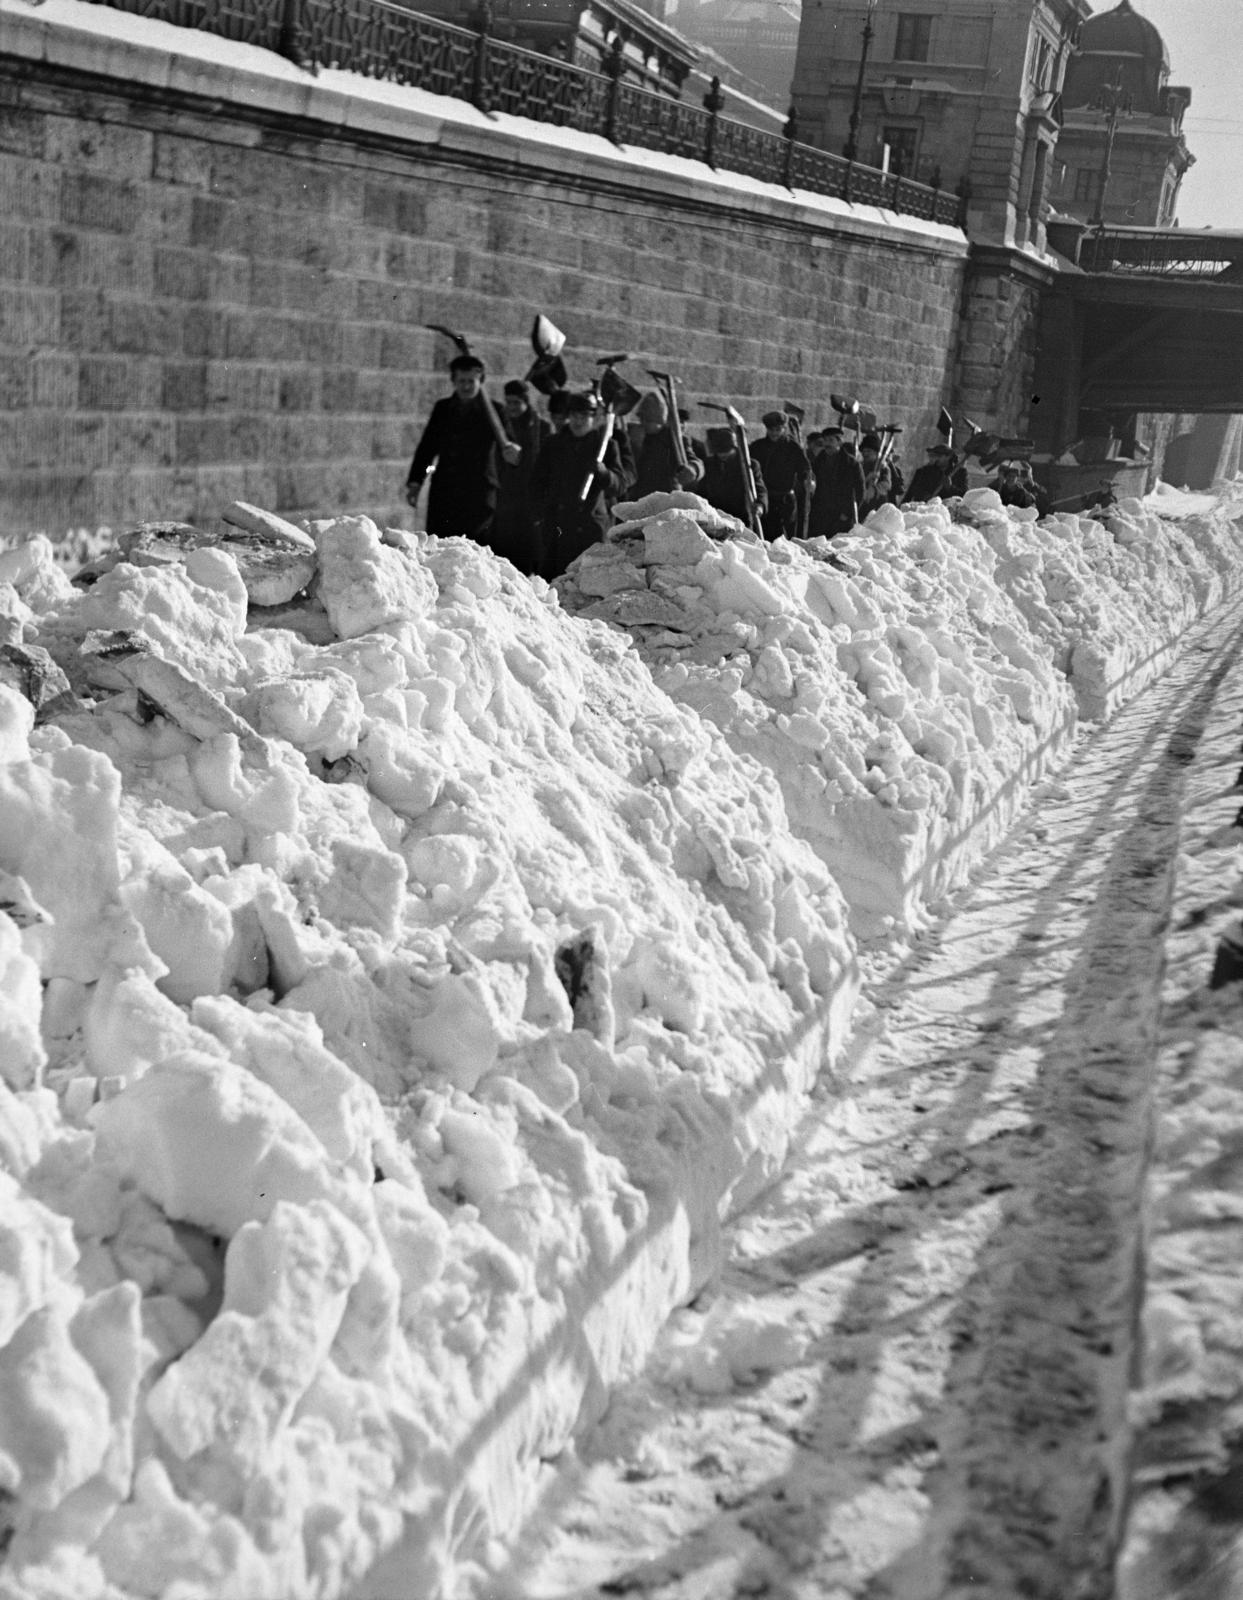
(380, 39)
(1166, 253)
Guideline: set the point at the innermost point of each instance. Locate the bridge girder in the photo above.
(1119, 342)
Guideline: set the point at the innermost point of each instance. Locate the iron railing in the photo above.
(1204, 255)
(380, 39)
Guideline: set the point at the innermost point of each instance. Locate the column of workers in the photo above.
(546, 493)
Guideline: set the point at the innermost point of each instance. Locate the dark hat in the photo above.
(940, 448)
(870, 441)
(652, 408)
(774, 419)
(466, 364)
(558, 402)
(720, 439)
(582, 402)
(518, 387)
(831, 433)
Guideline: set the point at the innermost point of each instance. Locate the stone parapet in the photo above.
(216, 273)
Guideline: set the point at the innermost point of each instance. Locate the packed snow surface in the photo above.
(406, 967)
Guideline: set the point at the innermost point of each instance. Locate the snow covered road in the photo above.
(911, 1383)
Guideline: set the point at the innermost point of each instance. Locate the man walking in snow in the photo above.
(570, 460)
(724, 480)
(940, 477)
(787, 474)
(838, 491)
(515, 531)
(459, 441)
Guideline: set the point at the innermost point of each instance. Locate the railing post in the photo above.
(896, 204)
(846, 181)
(713, 101)
(790, 134)
(479, 86)
(963, 191)
(289, 42)
(614, 67)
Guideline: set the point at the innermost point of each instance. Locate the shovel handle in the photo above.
(606, 435)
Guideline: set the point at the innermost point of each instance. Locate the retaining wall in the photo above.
(216, 271)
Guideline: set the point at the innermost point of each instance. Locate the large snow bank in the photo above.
(394, 1002)
(400, 978)
(910, 681)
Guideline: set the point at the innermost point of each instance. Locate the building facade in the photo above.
(1122, 154)
(758, 37)
(956, 92)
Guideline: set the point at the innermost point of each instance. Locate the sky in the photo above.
(1204, 41)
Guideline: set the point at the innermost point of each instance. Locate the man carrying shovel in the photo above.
(787, 474)
(461, 440)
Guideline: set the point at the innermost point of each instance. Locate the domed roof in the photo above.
(1123, 32)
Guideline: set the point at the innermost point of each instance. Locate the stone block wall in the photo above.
(995, 375)
(221, 290)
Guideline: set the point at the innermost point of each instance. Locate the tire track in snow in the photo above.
(954, 1247)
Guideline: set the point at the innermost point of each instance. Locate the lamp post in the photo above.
(1111, 100)
(851, 152)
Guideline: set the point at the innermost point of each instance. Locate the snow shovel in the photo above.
(619, 397)
(547, 373)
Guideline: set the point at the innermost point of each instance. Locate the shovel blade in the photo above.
(546, 338)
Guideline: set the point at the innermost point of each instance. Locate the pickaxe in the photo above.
(796, 415)
(945, 426)
(750, 493)
(504, 443)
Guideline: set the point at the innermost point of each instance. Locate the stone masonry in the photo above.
(215, 281)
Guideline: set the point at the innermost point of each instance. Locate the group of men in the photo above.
(539, 491)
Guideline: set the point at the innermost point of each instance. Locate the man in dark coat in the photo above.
(838, 492)
(787, 474)
(656, 452)
(459, 441)
(940, 477)
(572, 524)
(724, 481)
(883, 484)
(515, 531)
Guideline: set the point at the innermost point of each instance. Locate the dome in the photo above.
(1123, 32)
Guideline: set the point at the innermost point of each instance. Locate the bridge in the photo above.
(1140, 319)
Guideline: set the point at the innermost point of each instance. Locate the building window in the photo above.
(902, 143)
(1087, 184)
(914, 37)
(1042, 62)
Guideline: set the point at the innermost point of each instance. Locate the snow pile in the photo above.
(401, 978)
(897, 694)
(397, 989)
(1109, 600)
(909, 682)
